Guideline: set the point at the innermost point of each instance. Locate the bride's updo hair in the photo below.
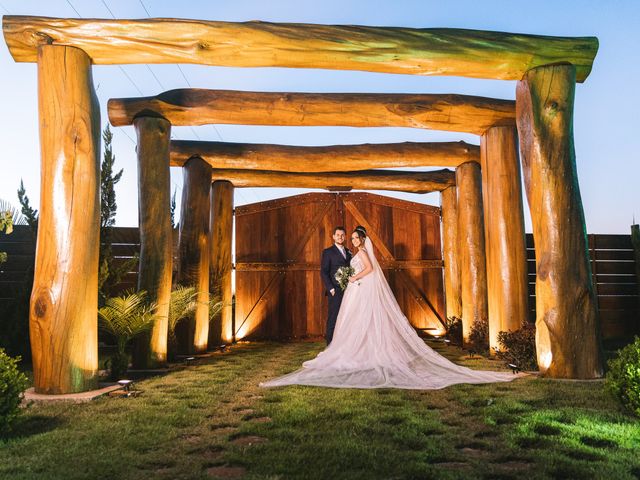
(361, 232)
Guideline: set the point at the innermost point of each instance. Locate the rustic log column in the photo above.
(567, 326)
(507, 281)
(449, 207)
(64, 303)
(221, 225)
(194, 253)
(473, 273)
(155, 267)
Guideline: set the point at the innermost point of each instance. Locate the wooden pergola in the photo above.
(484, 249)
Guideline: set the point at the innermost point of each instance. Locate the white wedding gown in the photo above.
(374, 346)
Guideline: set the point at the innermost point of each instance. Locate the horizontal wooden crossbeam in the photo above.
(192, 106)
(427, 51)
(415, 182)
(343, 158)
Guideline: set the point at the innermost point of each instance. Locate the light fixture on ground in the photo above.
(514, 368)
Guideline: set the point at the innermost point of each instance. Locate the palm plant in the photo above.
(181, 305)
(125, 317)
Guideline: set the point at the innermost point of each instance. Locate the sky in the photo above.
(606, 108)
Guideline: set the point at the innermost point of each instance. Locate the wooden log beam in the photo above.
(567, 324)
(156, 261)
(221, 224)
(449, 208)
(64, 301)
(286, 158)
(415, 182)
(471, 247)
(191, 106)
(507, 280)
(427, 51)
(193, 269)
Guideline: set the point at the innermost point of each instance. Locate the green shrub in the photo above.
(12, 383)
(519, 347)
(623, 377)
(479, 337)
(125, 317)
(453, 326)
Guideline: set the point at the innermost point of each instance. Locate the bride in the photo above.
(374, 346)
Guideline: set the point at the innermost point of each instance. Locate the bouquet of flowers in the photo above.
(342, 276)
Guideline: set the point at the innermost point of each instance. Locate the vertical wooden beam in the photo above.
(507, 280)
(567, 325)
(221, 225)
(156, 262)
(449, 207)
(193, 269)
(64, 302)
(471, 246)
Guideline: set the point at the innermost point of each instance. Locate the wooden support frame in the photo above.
(416, 182)
(287, 158)
(193, 106)
(426, 51)
(546, 68)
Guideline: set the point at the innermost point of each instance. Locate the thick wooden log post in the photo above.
(63, 315)
(471, 247)
(155, 267)
(193, 268)
(507, 276)
(567, 325)
(449, 207)
(221, 225)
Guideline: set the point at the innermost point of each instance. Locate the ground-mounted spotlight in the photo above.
(189, 360)
(223, 348)
(514, 368)
(447, 342)
(126, 384)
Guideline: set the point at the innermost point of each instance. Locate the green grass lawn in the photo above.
(211, 420)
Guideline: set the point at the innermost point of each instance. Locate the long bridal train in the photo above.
(374, 346)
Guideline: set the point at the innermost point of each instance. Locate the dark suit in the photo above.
(332, 260)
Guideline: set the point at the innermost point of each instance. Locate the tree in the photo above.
(29, 213)
(109, 274)
(172, 209)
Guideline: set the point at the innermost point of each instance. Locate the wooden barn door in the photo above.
(279, 294)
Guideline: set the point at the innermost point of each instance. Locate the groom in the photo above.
(333, 258)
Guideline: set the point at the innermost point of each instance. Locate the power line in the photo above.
(5, 9)
(145, 8)
(127, 135)
(74, 8)
(180, 69)
(125, 73)
(107, 7)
